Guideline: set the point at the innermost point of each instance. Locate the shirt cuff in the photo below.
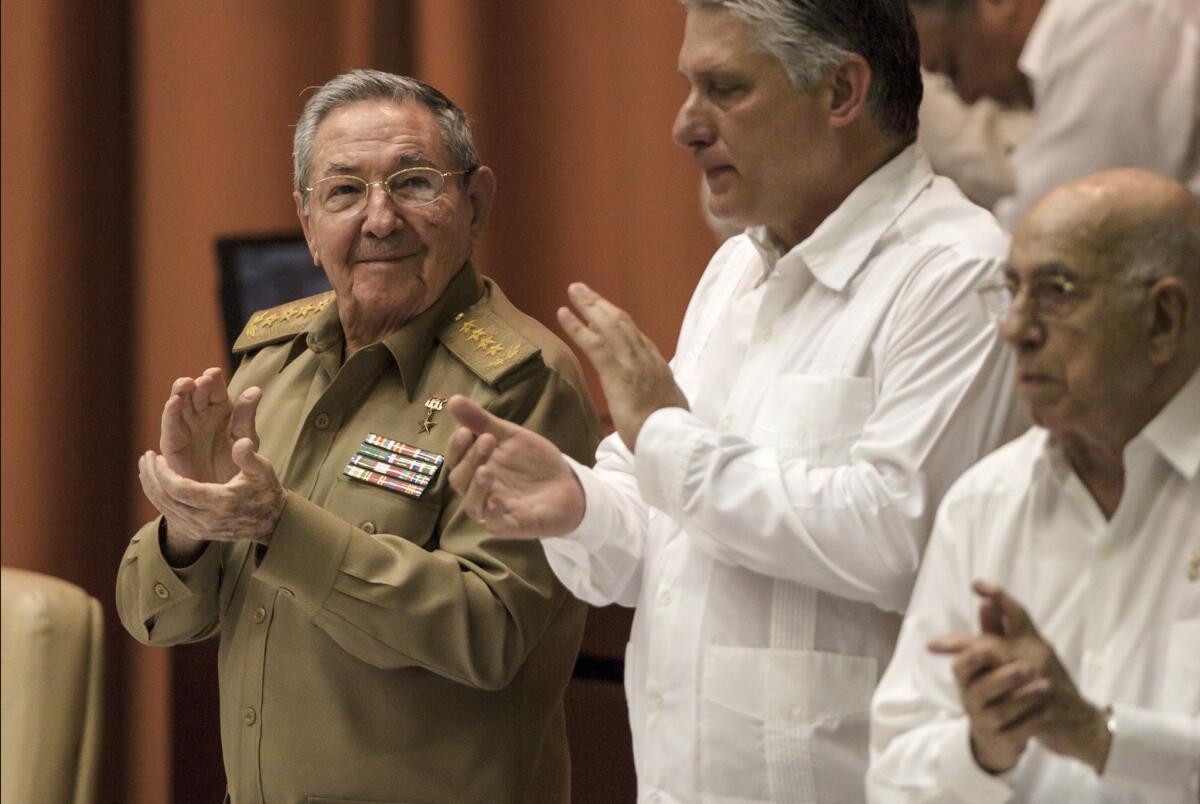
(664, 451)
(1156, 754)
(961, 773)
(306, 552)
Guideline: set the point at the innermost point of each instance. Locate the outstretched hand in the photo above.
(636, 379)
(1014, 688)
(200, 425)
(514, 481)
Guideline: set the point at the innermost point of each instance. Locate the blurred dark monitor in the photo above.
(263, 271)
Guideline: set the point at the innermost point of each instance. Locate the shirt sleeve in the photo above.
(1155, 756)
(601, 561)
(943, 398)
(920, 736)
(1118, 87)
(472, 608)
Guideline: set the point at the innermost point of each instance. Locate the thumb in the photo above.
(241, 421)
(252, 464)
(473, 417)
(1012, 617)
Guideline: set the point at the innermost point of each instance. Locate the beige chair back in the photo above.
(51, 644)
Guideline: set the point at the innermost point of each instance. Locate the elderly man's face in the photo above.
(760, 142)
(1080, 368)
(975, 47)
(387, 261)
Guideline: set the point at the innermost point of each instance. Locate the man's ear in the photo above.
(849, 84)
(1172, 312)
(481, 191)
(306, 225)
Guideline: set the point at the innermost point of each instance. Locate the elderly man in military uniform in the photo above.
(376, 643)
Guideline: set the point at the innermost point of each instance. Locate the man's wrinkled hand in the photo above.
(200, 425)
(1039, 700)
(636, 379)
(514, 481)
(246, 507)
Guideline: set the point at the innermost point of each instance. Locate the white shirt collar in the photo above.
(1175, 431)
(840, 245)
(1039, 43)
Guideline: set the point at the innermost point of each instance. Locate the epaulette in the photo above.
(488, 345)
(278, 323)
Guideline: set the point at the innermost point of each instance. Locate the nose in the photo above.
(693, 127)
(382, 217)
(1020, 327)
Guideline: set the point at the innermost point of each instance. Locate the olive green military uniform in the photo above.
(383, 647)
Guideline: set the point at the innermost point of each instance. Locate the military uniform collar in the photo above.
(411, 343)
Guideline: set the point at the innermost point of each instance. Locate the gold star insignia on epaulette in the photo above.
(495, 350)
(476, 334)
(500, 361)
(486, 341)
(468, 326)
(1194, 566)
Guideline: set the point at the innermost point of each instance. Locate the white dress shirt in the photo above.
(1118, 599)
(769, 536)
(1116, 83)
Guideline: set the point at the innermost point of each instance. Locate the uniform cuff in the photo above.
(306, 553)
(162, 585)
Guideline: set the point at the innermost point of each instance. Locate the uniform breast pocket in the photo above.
(814, 417)
(378, 510)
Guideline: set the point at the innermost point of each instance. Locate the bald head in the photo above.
(1131, 224)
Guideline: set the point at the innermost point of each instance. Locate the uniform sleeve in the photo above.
(162, 605)
(920, 738)
(1119, 89)
(943, 399)
(472, 608)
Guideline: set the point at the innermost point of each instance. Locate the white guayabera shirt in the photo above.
(1118, 599)
(770, 536)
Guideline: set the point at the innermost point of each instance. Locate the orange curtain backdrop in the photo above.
(572, 104)
(136, 131)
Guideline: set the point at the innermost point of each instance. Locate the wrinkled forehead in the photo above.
(373, 136)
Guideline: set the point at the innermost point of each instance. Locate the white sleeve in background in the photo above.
(1116, 84)
(857, 530)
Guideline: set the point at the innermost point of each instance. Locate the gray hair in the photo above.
(1168, 244)
(367, 85)
(811, 37)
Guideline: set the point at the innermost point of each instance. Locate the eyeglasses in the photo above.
(1053, 297)
(410, 187)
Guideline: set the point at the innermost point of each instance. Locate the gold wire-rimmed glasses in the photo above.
(1053, 297)
(409, 187)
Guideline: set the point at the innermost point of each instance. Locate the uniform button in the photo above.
(766, 333)
(249, 715)
(664, 597)
(162, 591)
(655, 798)
(656, 701)
(791, 714)
(322, 421)
(1107, 550)
(725, 421)
(368, 527)
(260, 614)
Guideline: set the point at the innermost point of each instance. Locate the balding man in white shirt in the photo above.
(1074, 666)
(767, 496)
(1112, 83)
